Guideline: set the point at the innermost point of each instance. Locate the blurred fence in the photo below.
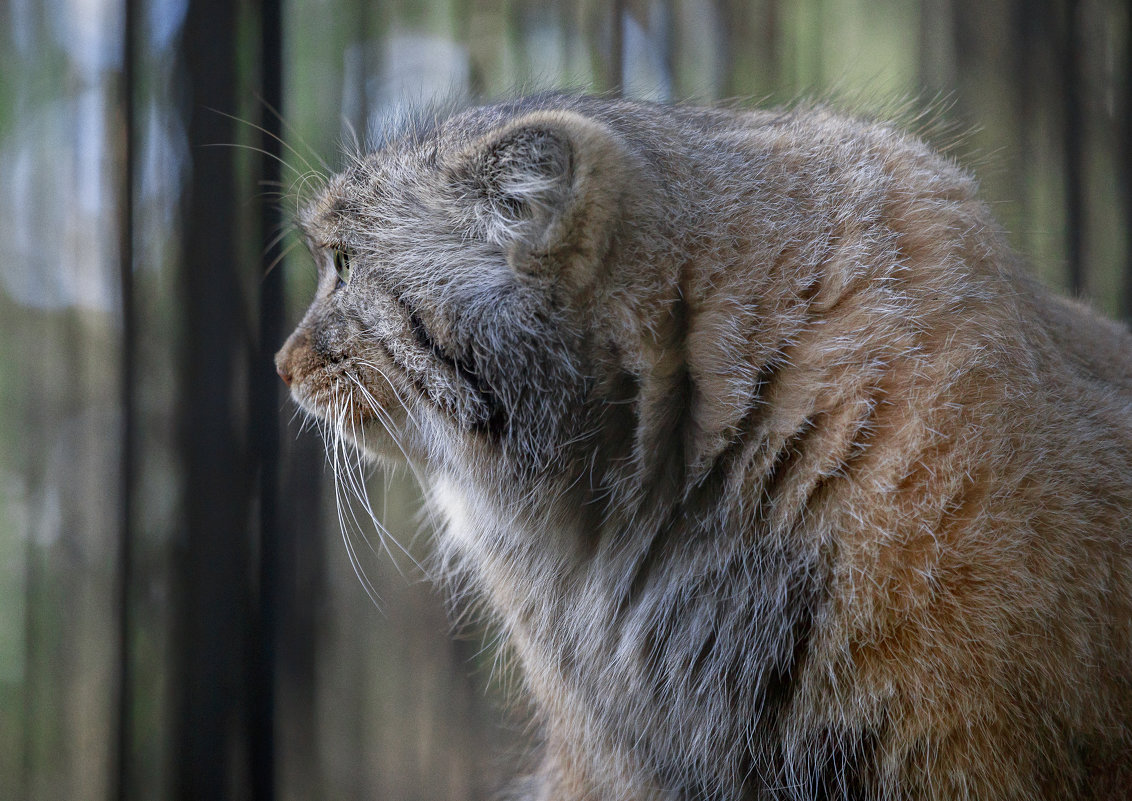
(177, 615)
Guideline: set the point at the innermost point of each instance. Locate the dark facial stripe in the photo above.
(461, 365)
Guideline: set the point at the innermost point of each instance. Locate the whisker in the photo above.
(358, 484)
(284, 230)
(282, 255)
(254, 149)
(294, 132)
(346, 515)
(396, 394)
(274, 136)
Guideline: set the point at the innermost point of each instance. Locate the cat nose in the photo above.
(282, 368)
(291, 354)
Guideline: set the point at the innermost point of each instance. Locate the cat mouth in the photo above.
(376, 400)
(362, 407)
(344, 398)
(391, 377)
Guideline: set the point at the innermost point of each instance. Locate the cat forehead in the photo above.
(362, 190)
(404, 168)
(322, 216)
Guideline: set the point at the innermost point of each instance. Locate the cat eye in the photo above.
(342, 258)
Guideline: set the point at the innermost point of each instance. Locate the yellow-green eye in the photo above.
(342, 265)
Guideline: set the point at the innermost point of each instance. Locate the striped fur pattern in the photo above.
(780, 476)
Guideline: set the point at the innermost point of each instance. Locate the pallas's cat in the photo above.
(780, 476)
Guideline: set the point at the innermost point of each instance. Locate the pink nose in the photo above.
(284, 375)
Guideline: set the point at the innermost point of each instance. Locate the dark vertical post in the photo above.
(938, 47)
(747, 49)
(772, 45)
(213, 556)
(1072, 142)
(358, 121)
(615, 81)
(1126, 163)
(667, 45)
(120, 777)
(264, 406)
(1025, 46)
(733, 44)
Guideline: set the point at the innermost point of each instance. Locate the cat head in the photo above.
(456, 266)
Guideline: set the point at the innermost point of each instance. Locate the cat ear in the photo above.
(545, 188)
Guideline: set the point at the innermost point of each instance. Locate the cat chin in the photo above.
(369, 439)
(377, 446)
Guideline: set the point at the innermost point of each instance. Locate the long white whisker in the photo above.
(274, 136)
(358, 484)
(341, 505)
(387, 421)
(291, 129)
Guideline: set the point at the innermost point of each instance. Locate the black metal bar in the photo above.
(264, 419)
(120, 784)
(212, 558)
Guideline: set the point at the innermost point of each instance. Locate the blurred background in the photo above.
(178, 615)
